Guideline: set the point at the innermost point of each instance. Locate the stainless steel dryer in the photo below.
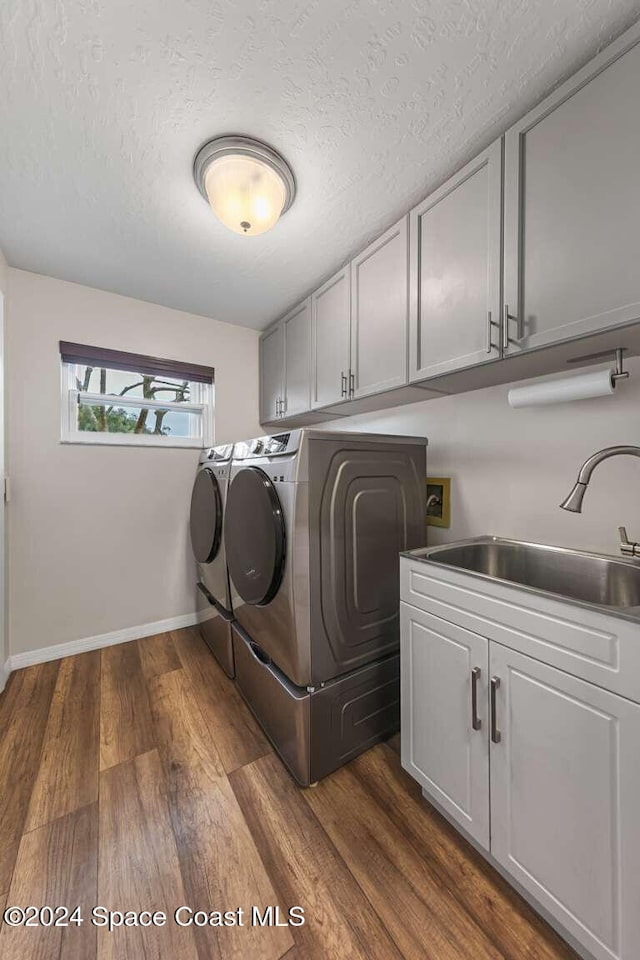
(207, 540)
(314, 526)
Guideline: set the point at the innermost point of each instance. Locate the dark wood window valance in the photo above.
(136, 362)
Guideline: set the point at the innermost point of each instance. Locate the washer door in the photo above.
(206, 516)
(254, 536)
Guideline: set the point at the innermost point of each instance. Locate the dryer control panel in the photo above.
(270, 446)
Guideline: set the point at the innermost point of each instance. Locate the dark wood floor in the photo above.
(135, 778)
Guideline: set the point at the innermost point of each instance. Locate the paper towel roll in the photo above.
(583, 387)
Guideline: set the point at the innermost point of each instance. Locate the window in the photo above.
(125, 398)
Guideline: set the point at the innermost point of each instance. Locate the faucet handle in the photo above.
(627, 548)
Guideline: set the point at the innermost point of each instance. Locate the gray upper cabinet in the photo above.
(379, 313)
(455, 242)
(532, 244)
(572, 205)
(330, 313)
(271, 373)
(297, 359)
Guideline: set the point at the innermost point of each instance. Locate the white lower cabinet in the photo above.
(565, 799)
(559, 759)
(445, 716)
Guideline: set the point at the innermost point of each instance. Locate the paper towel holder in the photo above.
(584, 386)
(618, 355)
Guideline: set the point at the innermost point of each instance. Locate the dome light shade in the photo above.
(248, 185)
(246, 195)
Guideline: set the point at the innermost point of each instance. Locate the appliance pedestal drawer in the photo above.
(216, 631)
(317, 732)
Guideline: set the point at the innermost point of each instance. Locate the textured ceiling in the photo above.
(103, 104)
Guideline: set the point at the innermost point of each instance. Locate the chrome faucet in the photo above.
(573, 503)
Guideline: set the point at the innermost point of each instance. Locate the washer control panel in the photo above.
(217, 454)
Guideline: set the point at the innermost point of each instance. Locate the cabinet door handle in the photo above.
(476, 722)
(283, 406)
(505, 328)
(490, 324)
(496, 736)
(352, 383)
(343, 380)
(277, 406)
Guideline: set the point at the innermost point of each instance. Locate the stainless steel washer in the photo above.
(208, 501)
(314, 526)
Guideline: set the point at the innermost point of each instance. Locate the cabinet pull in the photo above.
(283, 406)
(352, 383)
(490, 324)
(476, 722)
(277, 406)
(505, 329)
(496, 736)
(343, 380)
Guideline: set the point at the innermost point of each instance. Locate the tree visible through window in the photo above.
(117, 419)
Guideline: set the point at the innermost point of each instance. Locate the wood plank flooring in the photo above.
(68, 773)
(135, 778)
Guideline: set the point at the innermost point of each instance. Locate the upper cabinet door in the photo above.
(379, 313)
(297, 359)
(565, 782)
(572, 206)
(271, 373)
(455, 271)
(330, 310)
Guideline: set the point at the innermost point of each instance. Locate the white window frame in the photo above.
(201, 408)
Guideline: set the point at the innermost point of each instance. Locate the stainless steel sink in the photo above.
(589, 578)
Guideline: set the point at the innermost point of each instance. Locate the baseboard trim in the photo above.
(4, 674)
(59, 650)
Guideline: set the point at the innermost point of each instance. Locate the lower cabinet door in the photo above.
(444, 716)
(565, 799)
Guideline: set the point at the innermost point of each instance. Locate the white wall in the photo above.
(511, 468)
(4, 615)
(98, 537)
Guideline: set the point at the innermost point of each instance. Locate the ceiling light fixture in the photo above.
(248, 184)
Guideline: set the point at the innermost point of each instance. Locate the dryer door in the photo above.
(206, 516)
(254, 534)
